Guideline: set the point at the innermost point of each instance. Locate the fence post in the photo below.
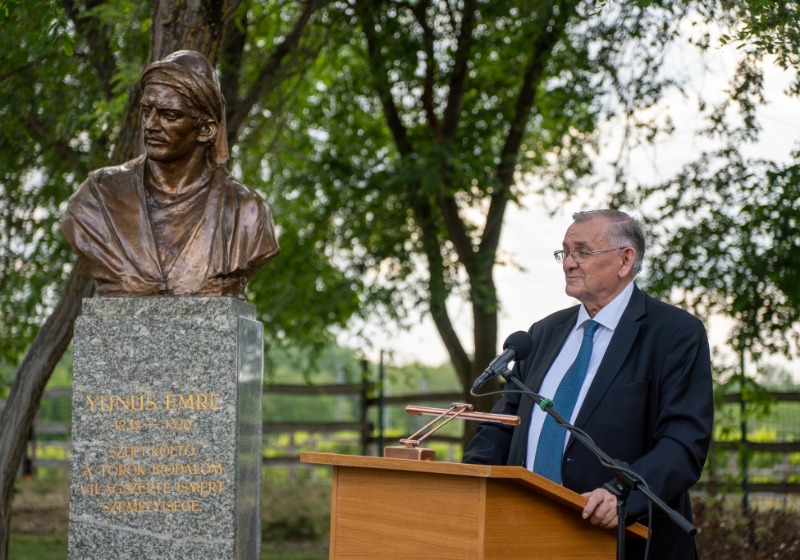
(381, 404)
(27, 469)
(291, 471)
(743, 451)
(364, 417)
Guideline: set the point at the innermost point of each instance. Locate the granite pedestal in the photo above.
(166, 430)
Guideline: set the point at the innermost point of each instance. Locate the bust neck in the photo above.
(179, 177)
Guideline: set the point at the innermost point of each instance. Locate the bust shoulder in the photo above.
(111, 172)
(247, 199)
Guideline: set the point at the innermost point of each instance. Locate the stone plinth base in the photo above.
(166, 430)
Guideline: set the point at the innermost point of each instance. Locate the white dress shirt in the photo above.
(608, 317)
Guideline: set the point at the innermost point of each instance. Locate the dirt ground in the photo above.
(40, 507)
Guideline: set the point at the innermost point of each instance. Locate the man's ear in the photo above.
(628, 259)
(207, 131)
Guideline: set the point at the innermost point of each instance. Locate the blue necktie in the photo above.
(550, 449)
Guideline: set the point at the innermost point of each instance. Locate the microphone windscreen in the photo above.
(521, 342)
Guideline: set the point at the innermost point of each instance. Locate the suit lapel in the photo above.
(552, 348)
(539, 368)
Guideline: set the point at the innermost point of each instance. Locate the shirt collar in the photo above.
(610, 315)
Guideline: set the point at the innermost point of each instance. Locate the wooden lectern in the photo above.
(385, 508)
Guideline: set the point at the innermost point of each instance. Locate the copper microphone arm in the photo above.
(410, 446)
(467, 414)
(445, 415)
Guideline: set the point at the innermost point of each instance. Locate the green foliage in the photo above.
(359, 174)
(295, 512)
(49, 16)
(766, 420)
(726, 225)
(303, 296)
(416, 378)
(728, 417)
(728, 245)
(768, 27)
(413, 381)
(335, 366)
(395, 158)
(389, 140)
(55, 411)
(38, 547)
(6, 379)
(60, 114)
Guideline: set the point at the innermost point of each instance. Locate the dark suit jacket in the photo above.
(650, 405)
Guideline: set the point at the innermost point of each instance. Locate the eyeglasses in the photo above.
(580, 256)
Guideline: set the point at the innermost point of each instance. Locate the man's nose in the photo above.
(150, 120)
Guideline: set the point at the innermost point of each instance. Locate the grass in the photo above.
(294, 520)
(37, 547)
(54, 547)
(296, 517)
(292, 553)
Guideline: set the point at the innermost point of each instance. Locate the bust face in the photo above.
(171, 133)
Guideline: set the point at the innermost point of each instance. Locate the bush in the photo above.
(724, 531)
(295, 513)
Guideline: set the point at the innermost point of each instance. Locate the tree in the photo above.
(475, 99)
(727, 223)
(419, 131)
(391, 139)
(60, 151)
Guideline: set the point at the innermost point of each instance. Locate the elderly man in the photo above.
(172, 222)
(632, 372)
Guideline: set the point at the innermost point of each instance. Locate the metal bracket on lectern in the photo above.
(410, 448)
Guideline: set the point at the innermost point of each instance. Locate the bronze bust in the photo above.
(172, 222)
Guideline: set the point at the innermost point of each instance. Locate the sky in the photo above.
(527, 292)
(531, 233)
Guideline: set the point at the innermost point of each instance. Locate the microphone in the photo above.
(516, 347)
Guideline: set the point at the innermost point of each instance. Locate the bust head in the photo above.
(184, 84)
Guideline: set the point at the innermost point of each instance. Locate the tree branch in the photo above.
(365, 10)
(438, 290)
(420, 15)
(234, 39)
(458, 79)
(553, 25)
(99, 49)
(274, 63)
(444, 200)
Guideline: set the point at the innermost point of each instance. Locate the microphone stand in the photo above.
(627, 480)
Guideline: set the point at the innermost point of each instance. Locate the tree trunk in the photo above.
(32, 376)
(192, 24)
(484, 313)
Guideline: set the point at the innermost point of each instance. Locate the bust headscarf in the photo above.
(191, 75)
